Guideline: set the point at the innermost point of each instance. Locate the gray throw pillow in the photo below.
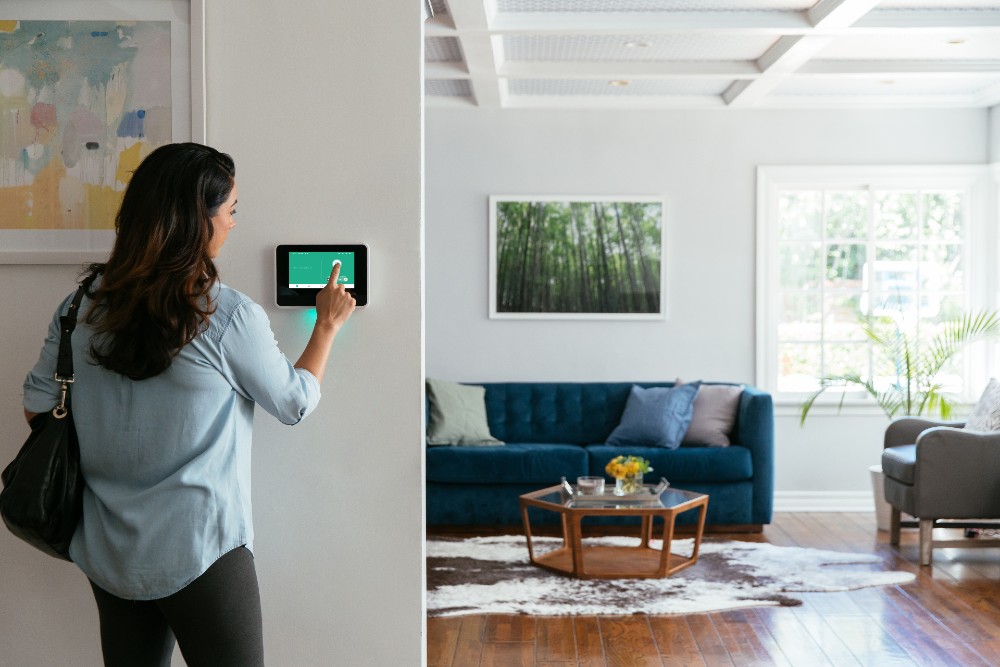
(457, 415)
(714, 415)
(985, 416)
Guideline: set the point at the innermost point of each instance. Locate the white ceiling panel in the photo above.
(912, 47)
(442, 50)
(605, 88)
(624, 48)
(447, 87)
(966, 86)
(577, 6)
(713, 53)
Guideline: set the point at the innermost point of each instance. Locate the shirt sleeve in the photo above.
(259, 370)
(41, 391)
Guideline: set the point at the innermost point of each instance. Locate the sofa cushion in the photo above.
(694, 464)
(457, 415)
(900, 463)
(541, 464)
(655, 417)
(713, 415)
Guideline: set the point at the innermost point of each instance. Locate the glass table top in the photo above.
(666, 499)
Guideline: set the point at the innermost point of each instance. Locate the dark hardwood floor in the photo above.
(949, 616)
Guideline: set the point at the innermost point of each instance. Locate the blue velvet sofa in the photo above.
(552, 430)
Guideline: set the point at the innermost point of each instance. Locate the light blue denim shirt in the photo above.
(166, 460)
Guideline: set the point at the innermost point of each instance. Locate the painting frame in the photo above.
(188, 108)
(496, 240)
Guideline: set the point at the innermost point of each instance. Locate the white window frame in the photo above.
(981, 259)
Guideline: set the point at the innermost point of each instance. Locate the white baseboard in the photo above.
(823, 501)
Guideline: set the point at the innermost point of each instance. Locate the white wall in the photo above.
(703, 163)
(994, 134)
(320, 107)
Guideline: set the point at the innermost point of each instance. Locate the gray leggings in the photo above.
(216, 620)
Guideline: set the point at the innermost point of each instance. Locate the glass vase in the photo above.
(628, 485)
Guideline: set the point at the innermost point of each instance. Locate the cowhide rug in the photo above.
(492, 575)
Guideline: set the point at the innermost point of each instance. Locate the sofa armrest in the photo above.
(958, 474)
(904, 430)
(755, 431)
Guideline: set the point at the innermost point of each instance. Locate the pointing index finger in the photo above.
(335, 273)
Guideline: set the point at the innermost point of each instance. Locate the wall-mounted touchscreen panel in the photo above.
(303, 270)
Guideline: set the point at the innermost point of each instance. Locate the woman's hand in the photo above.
(334, 305)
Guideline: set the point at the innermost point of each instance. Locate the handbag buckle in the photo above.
(60, 410)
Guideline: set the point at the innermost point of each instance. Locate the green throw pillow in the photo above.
(457, 415)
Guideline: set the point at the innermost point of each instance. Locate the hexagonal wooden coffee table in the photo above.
(615, 562)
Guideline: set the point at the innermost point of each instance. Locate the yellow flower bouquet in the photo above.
(628, 471)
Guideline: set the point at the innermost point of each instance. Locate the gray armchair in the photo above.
(934, 471)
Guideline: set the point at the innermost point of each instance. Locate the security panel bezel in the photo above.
(305, 297)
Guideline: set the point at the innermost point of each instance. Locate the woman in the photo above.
(169, 364)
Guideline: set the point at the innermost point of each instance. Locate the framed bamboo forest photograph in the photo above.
(567, 257)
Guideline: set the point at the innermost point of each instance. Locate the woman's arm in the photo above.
(334, 305)
(30, 415)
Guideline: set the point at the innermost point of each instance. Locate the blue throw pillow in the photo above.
(656, 417)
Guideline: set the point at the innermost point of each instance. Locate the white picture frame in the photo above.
(188, 121)
(626, 261)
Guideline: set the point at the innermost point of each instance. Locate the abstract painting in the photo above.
(576, 257)
(81, 104)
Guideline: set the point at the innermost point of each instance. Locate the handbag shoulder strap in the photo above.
(67, 323)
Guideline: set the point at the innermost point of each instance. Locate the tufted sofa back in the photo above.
(557, 412)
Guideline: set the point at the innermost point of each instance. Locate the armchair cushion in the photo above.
(985, 416)
(900, 463)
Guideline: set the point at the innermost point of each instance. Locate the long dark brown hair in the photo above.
(154, 295)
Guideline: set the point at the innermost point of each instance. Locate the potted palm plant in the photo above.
(917, 388)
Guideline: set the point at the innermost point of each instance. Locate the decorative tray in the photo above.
(648, 496)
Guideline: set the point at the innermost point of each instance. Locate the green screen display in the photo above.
(312, 269)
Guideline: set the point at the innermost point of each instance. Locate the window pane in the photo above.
(801, 265)
(943, 216)
(799, 317)
(949, 307)
(942, 268)
(842, 313)
(847, 214)
(893, 281)
(798, 366)
(896, 215)
(844, 264)
(886, 255)
(844, 358)
(800, 215)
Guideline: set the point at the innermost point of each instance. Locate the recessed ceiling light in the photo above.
(636, 45)
(887, 82)
(956, 42)
(618, 82)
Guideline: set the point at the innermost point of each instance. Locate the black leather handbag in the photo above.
(42, 496)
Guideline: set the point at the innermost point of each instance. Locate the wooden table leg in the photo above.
(702, 511)
(668, 538)
(575, 544)
(646, 531)
(527, 531)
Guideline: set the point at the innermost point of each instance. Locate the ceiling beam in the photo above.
(839, 13)
(791, 52)
(483, 53)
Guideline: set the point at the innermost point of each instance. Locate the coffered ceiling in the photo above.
(712, 53)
